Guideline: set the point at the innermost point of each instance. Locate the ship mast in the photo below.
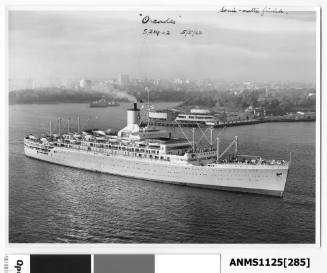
(193, 141)
(211, 136)
(148, 91)
(78, 124)
(218, 148)
(50, 129)
(204, 134)
(180, 127)
(234, 142)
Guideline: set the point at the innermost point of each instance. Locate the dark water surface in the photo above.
(50, 203)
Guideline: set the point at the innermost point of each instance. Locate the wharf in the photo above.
(234, 122)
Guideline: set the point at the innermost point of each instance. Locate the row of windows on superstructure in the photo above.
(117, 152)
(135, 152)
(108, 146)
(187, 171)
(195, 117)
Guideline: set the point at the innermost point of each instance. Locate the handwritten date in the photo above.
(187, 32)
(155, 32)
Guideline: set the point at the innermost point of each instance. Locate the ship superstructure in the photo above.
(198, 116)
(153, 154)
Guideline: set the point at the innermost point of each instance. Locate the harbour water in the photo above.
(56, 204)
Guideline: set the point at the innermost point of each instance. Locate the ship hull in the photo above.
(259, 179)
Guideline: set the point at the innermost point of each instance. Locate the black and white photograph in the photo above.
(165, 126)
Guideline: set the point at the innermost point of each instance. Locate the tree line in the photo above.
(277, 102)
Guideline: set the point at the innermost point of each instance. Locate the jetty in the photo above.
(233, 123)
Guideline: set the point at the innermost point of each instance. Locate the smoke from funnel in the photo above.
(115, 93)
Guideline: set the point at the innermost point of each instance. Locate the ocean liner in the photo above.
(154, 154)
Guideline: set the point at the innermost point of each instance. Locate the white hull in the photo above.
(262, 179)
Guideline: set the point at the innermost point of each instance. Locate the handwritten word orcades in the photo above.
(147, 19)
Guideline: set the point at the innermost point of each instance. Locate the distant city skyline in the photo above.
(175, 83)
(45, 45)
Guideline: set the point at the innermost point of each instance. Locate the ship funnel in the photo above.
(133, 115)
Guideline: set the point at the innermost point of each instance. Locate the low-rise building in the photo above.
(256, 111)
(162, 115)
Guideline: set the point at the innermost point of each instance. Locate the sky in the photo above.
(45, 45)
